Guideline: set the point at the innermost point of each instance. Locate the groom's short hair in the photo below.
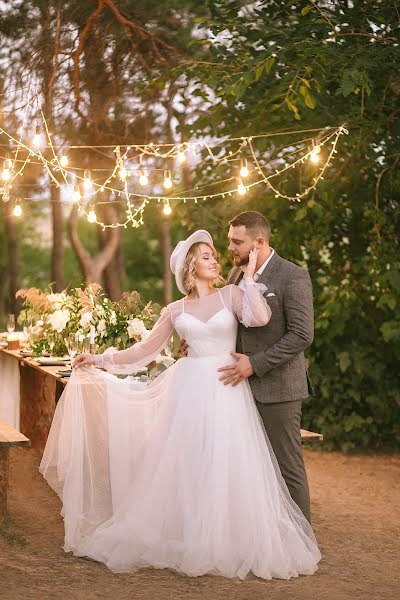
(256, 224)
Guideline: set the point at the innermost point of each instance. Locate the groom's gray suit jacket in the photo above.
(276, 351)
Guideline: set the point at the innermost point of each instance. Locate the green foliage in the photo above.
(56, 316)
(303, 65)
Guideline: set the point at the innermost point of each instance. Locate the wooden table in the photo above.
(8, 437)
(40, 389)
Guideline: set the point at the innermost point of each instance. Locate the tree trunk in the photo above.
(112, 283)
(50, 34)
(12, 258)
(57, 256)
(112, 273)
(166, 250)
(92, 266)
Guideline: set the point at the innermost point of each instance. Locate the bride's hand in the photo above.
(83, 360)
(251, 265)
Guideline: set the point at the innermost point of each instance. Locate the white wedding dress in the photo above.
(181, 474)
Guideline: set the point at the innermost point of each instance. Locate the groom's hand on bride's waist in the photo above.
(238, 371)
(184, 347)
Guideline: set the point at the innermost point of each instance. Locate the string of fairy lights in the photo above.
(141, 174)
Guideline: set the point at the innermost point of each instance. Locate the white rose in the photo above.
(167, 361)
(113, 318)
(136, 328)
(53, 298)
(57, 300)
(100, 311)
(59, 319)
(85, 319)
(102, 328)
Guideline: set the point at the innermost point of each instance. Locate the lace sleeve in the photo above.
(141, 353)
(249, 304)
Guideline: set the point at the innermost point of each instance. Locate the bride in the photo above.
(181, 474)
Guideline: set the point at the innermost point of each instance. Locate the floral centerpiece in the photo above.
(85, 312)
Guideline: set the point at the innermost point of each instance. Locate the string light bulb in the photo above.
(7, 166)
(76, 194)
(241, 189)
(244, 169)
(92, 217)
(64, 160)
(17, 209)
(123, 173)
(167, 210)
(181, 156)
(167, 180)
(87, 180)
(143, 179)
(37, 140)
(315, 152)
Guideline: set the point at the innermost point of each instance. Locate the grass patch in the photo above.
(12, 538)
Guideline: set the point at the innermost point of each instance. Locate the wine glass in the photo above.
(85, 346)
(27, 329)
(72, 347)
(11, 323)
(51, 341)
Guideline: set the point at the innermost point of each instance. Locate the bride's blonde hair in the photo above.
(189, 267)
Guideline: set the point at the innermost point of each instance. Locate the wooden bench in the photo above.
(8, 437)
(310, 436)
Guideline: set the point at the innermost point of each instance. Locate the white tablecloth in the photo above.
(9, 390)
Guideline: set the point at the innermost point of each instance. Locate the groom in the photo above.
(272, 357)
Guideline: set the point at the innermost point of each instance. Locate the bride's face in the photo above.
(207, 266)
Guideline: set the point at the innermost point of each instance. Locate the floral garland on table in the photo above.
(82, 311)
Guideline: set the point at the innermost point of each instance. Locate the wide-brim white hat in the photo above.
(179, 254)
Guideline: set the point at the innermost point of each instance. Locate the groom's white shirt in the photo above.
(260, 270)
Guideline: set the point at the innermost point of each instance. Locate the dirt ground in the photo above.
(356, 512)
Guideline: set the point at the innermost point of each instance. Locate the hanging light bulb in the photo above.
(123, 173)
(7, 166)
(143, 179)
(167, 210)
(64, 160)
(241, 189)
(17, 209)
(76, 194)
(6, 194)
(314, 155)
(6, 174)
(37, 140)
(92, 217)
(87, 180)
(181, 156)
(7, 162)
(244, 170)
(167, 180)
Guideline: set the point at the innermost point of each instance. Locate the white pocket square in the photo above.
(270, 294)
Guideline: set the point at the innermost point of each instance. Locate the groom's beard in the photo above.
(240, 262)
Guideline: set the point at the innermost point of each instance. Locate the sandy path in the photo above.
(356, 511)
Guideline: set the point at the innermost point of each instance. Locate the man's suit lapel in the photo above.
(236, 273)
(235, 276)
(270, 269)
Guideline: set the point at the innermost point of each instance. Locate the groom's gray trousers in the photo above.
(276, 353)
(282, 423)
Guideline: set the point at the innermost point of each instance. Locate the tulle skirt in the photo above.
(180, 475)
